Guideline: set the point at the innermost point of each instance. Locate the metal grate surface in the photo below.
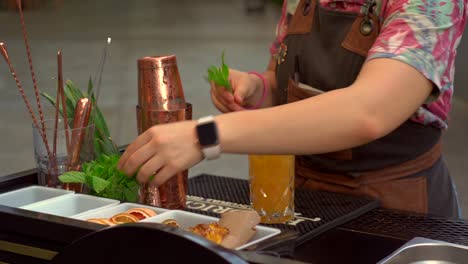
(407, 226)
(332, 209)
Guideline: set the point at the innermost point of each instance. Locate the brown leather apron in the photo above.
(325, 50)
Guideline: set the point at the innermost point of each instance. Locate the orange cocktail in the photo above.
(272, 187)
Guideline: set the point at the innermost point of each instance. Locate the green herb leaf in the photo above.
(103, 142)
(100, 122)
(220, 75)
(73, 177)
(70, 95)
(49, 98)
(105, 180)
(98, 184)
(90, 86)
(225, 68)
(77, 94)
(131, 194)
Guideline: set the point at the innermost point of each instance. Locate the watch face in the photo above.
(207, 134)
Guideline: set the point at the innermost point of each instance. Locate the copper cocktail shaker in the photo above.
(161, 100)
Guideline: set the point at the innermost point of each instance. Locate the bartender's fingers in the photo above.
(140, 141)
(216, 101)
(138, 157)
(219, 92)
(231, 104)
(227, 99)
(149, 169)
(235, 107)
(164, 174)
(239, 98)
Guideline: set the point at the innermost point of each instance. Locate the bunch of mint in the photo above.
(220, 75)
(104, 179)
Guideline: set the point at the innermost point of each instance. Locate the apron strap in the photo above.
(302, 20)
(364, 31)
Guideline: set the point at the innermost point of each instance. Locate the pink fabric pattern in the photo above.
(424, 34)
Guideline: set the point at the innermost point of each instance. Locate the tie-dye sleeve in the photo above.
(424, 34)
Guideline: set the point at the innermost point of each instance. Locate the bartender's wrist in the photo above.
(260, 85)
(206, 130)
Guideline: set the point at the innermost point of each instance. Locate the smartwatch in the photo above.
(207, 133)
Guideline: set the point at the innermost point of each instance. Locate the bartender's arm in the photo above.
(386, 93)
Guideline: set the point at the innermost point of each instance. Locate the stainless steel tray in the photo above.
(427, 251)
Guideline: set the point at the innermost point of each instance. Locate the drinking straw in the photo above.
(62, 96)
(31, 68)
(4, 52)
(98, 76)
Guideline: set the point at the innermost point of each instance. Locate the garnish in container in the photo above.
(103, 179)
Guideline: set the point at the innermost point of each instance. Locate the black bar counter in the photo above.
(30, 237)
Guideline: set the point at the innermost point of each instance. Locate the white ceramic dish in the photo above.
(30, 195)
(113, 210)
(71, 205)
(187, 219)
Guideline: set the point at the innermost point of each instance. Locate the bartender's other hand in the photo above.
(244, 86)
(162, 151)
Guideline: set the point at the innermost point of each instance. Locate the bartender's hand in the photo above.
(246, 92)
(162, 151)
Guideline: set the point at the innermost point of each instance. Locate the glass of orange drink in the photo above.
(272, 187)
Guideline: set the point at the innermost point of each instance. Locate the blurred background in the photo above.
(195, 31)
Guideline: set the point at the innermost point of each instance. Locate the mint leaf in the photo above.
(98, 184)
(72, 177)
(105, 180)
(131, 194)
(224, 68)
(220, 75)
(212, 72)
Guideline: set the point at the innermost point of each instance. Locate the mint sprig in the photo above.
(104, 179)
(220, 75)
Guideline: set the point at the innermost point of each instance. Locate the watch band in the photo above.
(206, 119)
(209, 152)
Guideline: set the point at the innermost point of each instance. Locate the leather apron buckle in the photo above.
(364, 31)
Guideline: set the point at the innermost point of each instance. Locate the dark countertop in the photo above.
(367, 239)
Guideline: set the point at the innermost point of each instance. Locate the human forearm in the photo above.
(294, 128)
(373, 106)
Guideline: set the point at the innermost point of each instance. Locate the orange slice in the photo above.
(124, 218)
(171, 222)
(141, 213)
(107, 222)
(96, 220)
(101, 221)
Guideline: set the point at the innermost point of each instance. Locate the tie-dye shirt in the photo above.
(422, 33)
